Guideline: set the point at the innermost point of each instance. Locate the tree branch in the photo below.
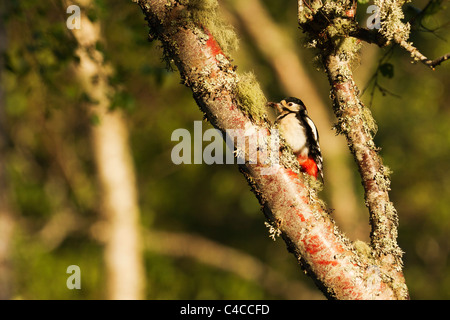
(340, 268)
(355, 121)
(434, 63)
(338, 52)
(280, 53)
(374, 37)
(369, 36)
(394, 29)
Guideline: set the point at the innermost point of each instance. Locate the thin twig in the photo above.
(434, 63)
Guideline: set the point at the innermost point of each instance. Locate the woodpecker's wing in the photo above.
(313, 142)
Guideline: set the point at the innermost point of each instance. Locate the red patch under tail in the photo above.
(308, 165)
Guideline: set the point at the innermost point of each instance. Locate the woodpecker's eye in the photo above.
(290, 104)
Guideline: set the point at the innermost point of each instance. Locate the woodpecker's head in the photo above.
(289, 105)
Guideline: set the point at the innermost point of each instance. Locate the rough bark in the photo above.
(328, 27)
(280, 52)
(343, 270)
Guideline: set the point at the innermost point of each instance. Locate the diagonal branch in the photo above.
(341, 269)
(372, 36)
(279, 51)
(434, 63)
(393, 29)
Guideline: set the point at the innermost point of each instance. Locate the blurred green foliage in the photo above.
(51, 170)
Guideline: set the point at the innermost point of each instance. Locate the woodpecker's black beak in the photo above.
(276, 106)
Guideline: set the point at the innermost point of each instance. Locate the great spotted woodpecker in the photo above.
(300, 134)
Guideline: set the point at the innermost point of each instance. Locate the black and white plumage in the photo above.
(300, 134)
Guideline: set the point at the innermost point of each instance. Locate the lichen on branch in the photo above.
(289, 201)
(391, 19)
(202, 17)
(205, 13)
(330, 31)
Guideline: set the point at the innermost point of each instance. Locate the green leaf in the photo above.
(387, 70)
(433, 7)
